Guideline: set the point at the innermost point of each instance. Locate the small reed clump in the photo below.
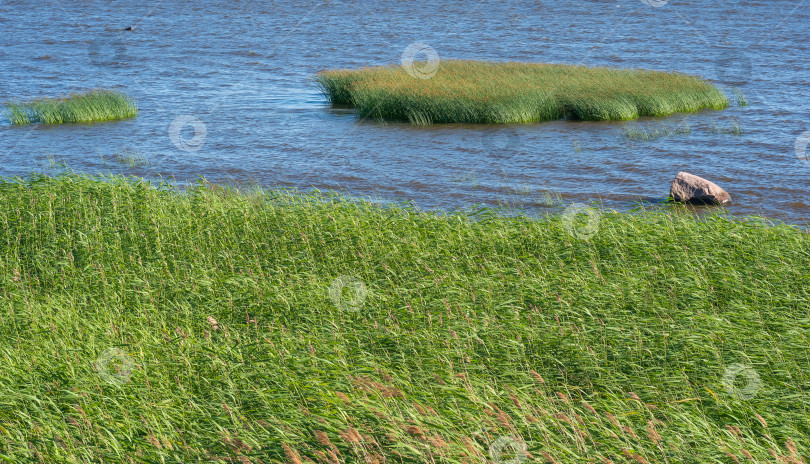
(92, 106)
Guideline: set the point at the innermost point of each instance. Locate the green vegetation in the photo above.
(92, 106)
(740, 96)
(485, 92)
(733, 128)
(459, 330)
(127, 157)
(654, 131)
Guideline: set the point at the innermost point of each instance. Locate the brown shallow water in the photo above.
(242, 72)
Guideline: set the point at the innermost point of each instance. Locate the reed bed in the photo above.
(92, 106)
(457, 332)
(515, 92)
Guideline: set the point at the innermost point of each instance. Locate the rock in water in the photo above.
(693, 189)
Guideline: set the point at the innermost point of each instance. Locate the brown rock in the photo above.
(693, 189)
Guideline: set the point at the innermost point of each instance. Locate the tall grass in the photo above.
(485, 92)
(472, 328)
(92, 106)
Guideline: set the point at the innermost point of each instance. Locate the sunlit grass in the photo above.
(472, 327)
(92, 106)
(486, 92)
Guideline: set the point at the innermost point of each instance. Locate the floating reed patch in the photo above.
(92, 106)
(515, 92)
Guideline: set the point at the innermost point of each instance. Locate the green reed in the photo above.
(740, 97)
(454, 332)
(654, 131)
(515, 92)
(733, 128)
(92, 106)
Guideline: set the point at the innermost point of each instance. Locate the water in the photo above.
(241, 73)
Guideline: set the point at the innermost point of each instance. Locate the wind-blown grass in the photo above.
(473, 328)
(485, 92)
(92, 106)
